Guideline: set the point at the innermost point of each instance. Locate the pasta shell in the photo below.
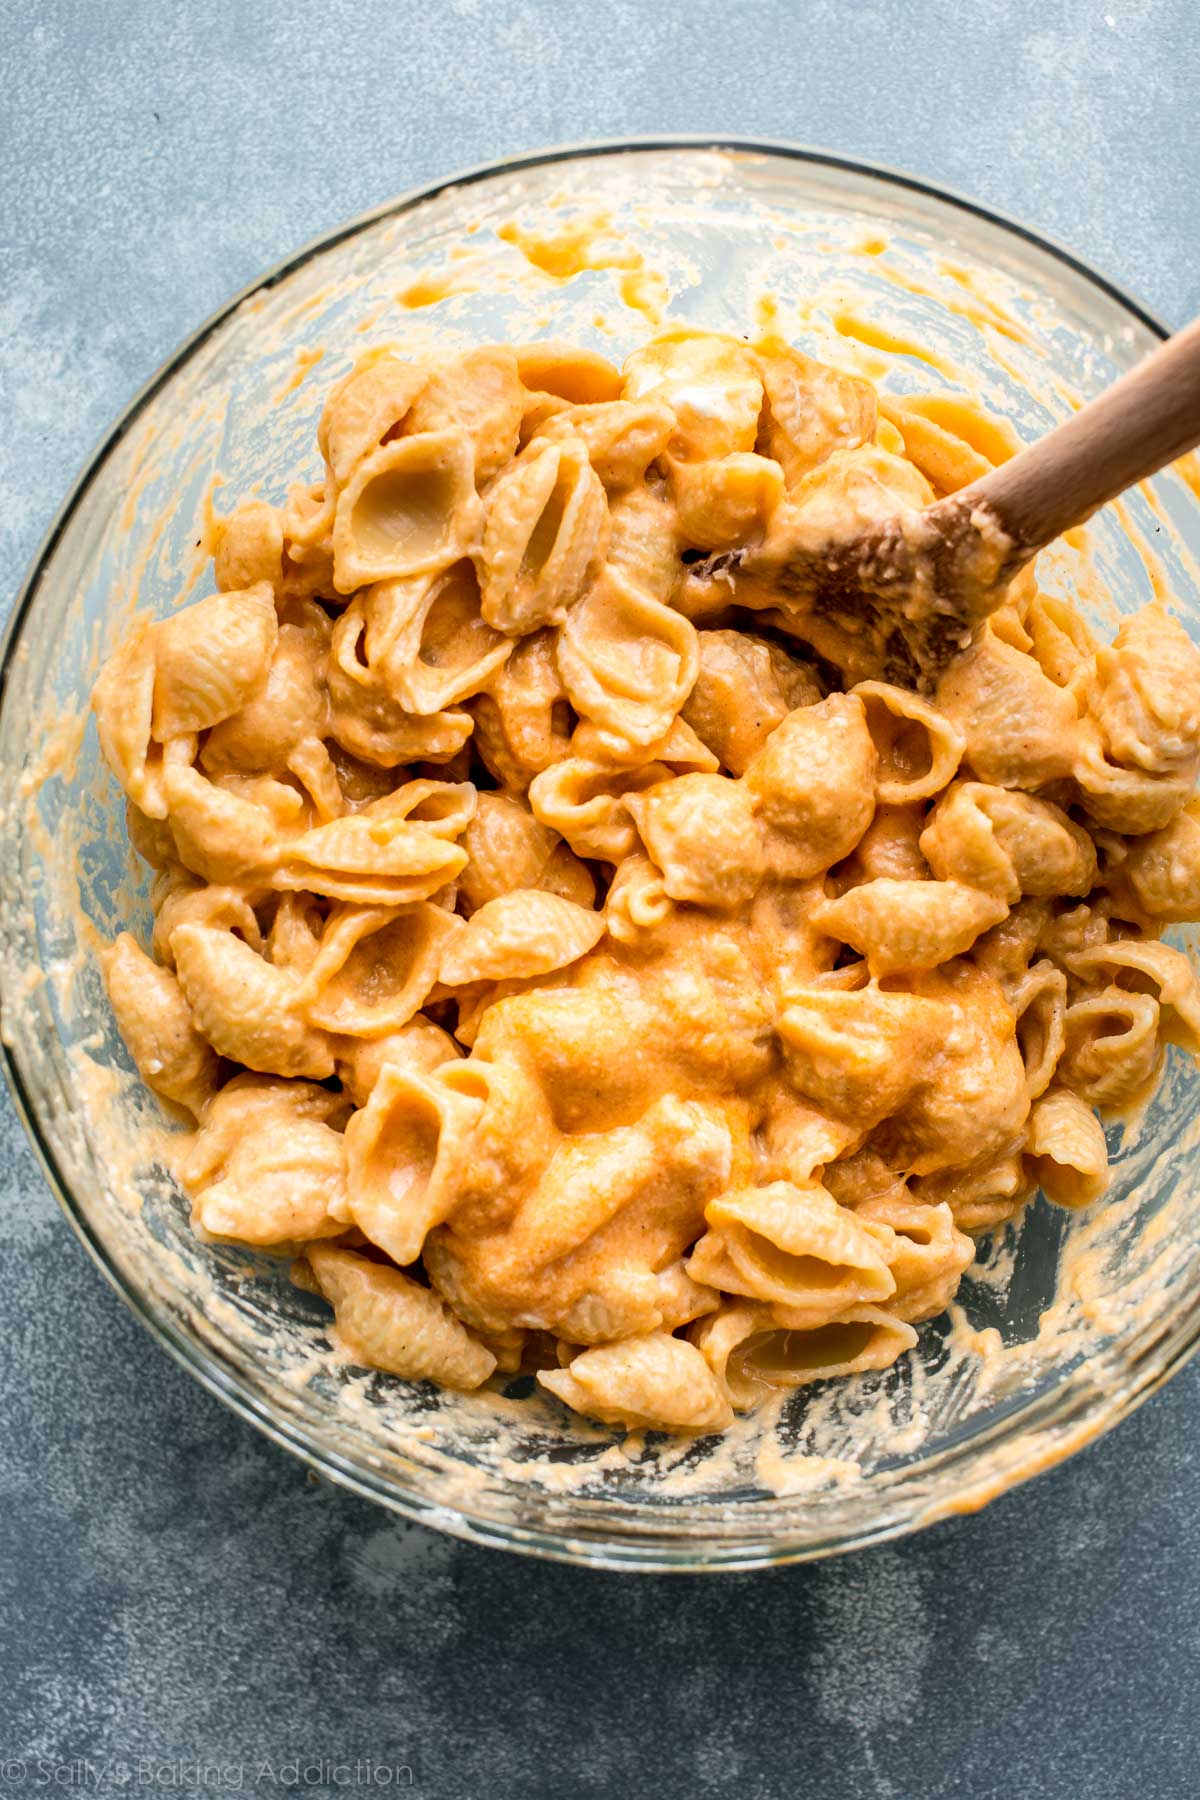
(679, 749)
(888, 437)
(810, 410)
(507, 848)
(726, 502)
(1111, 1054)
(890, 847)
(637, 901)
(1049, 853)
(314, 768)
(655, 1383)
(154, 1020)
(1039, 1004)
(861, 1055)
(518, 935)
(794, 1247)
(308, 542)
(909, 924)
(219, 835)
(567, 875)
(512, 1140)
(1141, 965)
(390, 1322)
(123, 701)
(585, 803)
(1066, 1150)
(374, 970)
(757, 1353)
(479, 392)
(151, 838)
(443, 808)
(576, 1241)
(701, 832)
(918, 749)
(578, 377)
(622, 437)
(289, 708)
(545, 532)
(793, 1142)
(1163, 869)
(244, 1006)
(813, 786)
(294, 940)
(407, 1149)
(676, 1152)
(982, 1194)
(745, 687)
(224, 908)
(1142, 695)
(249, 1108)
(211, 659)
(249, 547)
(1008, 843)
(539, 409)
(267, 1166)
(1059, 637)
(409, 508)
(679, 1299)
(427, 640)
(307, 519)
(1020, 730)
(863, 1176)
(971, 1100)
(928, 1253)
(420, 1045)
(523, 723)
(959, 843)
(947, 460)
(395, 851)
(711, 383)
(285, 1187)
(1131, 800)
(627, 662)
(365, 720)
(644, 546)
(1008, 949)
(372, 401)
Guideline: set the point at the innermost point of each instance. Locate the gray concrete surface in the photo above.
(176, 1591)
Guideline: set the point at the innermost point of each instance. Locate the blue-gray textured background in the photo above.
(175, 1588)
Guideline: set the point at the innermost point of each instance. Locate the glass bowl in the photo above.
(1064, 1325)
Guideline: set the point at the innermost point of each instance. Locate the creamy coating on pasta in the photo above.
(569, 967)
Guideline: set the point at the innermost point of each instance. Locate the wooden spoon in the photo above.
(904, 597)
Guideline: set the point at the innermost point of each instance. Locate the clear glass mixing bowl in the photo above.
(1067, 1323)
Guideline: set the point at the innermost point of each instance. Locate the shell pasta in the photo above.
(566, 968)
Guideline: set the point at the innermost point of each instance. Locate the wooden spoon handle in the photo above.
(1146, 419)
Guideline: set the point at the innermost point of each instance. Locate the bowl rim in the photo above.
(651, 1553)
